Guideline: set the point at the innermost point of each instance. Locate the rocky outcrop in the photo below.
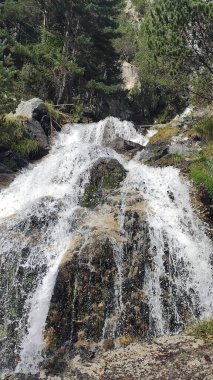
(130, 76)
(99, 293)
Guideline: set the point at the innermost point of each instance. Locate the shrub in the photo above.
(203, 330)
(205, 128)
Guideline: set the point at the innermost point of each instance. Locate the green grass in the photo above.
(205, 129)
(201, 172)
(203, 330)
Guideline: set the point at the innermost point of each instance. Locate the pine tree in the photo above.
(181, 33)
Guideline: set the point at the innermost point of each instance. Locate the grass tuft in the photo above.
(203, 330)
(205, 129)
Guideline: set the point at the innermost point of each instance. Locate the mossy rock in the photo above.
(106, 174)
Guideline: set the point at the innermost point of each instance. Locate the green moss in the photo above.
(203, 330)
(163, 134)
(167, 114)
(109, 182)
(28, 148)
(201, 171)
(90, 197)
(13, 136)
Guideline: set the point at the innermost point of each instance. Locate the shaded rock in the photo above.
(12, 160)
(128, 148)
(105, 174)
(6, 176)
(36, 132)
(10, 163)
(154, 152)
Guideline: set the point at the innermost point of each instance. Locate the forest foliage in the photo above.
(69, 51)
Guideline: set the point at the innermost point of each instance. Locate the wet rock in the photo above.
(154, 152)
(106, 174)
(6, 176)
(128, 148)
(10, 163)
(83, 307)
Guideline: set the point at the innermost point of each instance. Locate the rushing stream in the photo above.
(37, 222)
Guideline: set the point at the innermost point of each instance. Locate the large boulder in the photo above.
(154, 152)
(35, 109)
(36, 132)
(125, 147)
(103, 268)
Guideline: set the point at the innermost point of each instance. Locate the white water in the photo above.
(51, 190)
(173, 224)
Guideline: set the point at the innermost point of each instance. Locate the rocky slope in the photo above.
(100, 323)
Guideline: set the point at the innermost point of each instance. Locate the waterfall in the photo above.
(37, 221)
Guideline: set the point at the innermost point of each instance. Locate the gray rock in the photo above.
(31, 108)
(35, 109)
(35, 131)
(155, 151)
(128, 148)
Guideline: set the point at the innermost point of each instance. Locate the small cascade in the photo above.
(112, 321)
(39, 215)
(179, 278)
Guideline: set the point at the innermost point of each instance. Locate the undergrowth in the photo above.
(203, 330)
(205, 129)
(14, 137)
(201, 170)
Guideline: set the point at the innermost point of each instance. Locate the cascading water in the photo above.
(37, 222)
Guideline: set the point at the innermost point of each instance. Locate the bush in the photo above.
(202, 90)
(203, 330)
